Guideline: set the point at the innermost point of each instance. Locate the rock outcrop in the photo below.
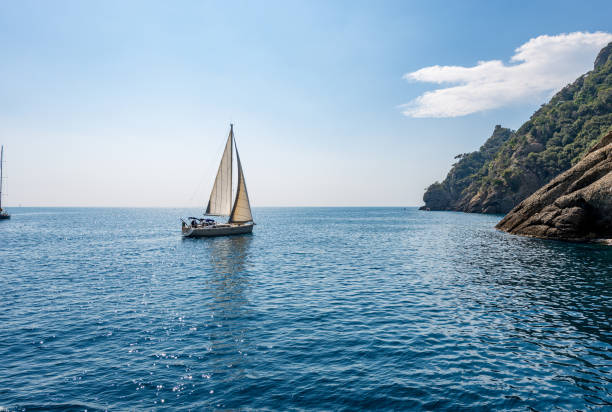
(574, 206)
(512, 165)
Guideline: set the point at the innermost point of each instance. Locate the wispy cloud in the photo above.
(543, 65)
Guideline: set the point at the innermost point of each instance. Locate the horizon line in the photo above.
(191, 207)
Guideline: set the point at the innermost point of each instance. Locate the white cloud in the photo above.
(541, 66)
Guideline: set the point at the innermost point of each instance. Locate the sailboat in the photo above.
(3, 213)
(220, 203)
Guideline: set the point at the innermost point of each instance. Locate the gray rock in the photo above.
(575, 206)
(603, 56)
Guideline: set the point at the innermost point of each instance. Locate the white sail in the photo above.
(1, 177)
(241, 212)
(220, 203)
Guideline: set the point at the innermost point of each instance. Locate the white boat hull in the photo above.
(217, 230)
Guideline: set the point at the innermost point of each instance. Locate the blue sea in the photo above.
(318, 309)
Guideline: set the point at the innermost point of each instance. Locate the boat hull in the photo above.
(4, 216)
(217, 230)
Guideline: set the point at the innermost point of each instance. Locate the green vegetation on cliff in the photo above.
(512, 165)
(469, 168)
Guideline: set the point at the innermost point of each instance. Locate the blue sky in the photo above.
(128, 103)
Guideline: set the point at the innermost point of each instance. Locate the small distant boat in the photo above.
(220, 203)
(3, 213)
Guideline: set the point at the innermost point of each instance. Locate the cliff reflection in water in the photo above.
(227, 282)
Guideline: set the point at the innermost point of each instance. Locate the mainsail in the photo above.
(241, 212)
(1, 160)
(220, 203)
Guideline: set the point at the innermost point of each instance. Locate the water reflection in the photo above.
(550, 299)
(565, 283)
(227, 283)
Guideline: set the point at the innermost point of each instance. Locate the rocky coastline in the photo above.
(575, 206)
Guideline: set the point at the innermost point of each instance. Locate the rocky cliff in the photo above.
(574, 206)
(451, 194)
(512, 165)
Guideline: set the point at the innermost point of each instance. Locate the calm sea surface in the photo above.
(320, 308)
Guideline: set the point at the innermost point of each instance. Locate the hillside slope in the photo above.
(510, 166)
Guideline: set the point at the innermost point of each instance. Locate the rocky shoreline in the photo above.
(575, 206)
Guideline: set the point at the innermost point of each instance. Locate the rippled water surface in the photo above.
(318, 309)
